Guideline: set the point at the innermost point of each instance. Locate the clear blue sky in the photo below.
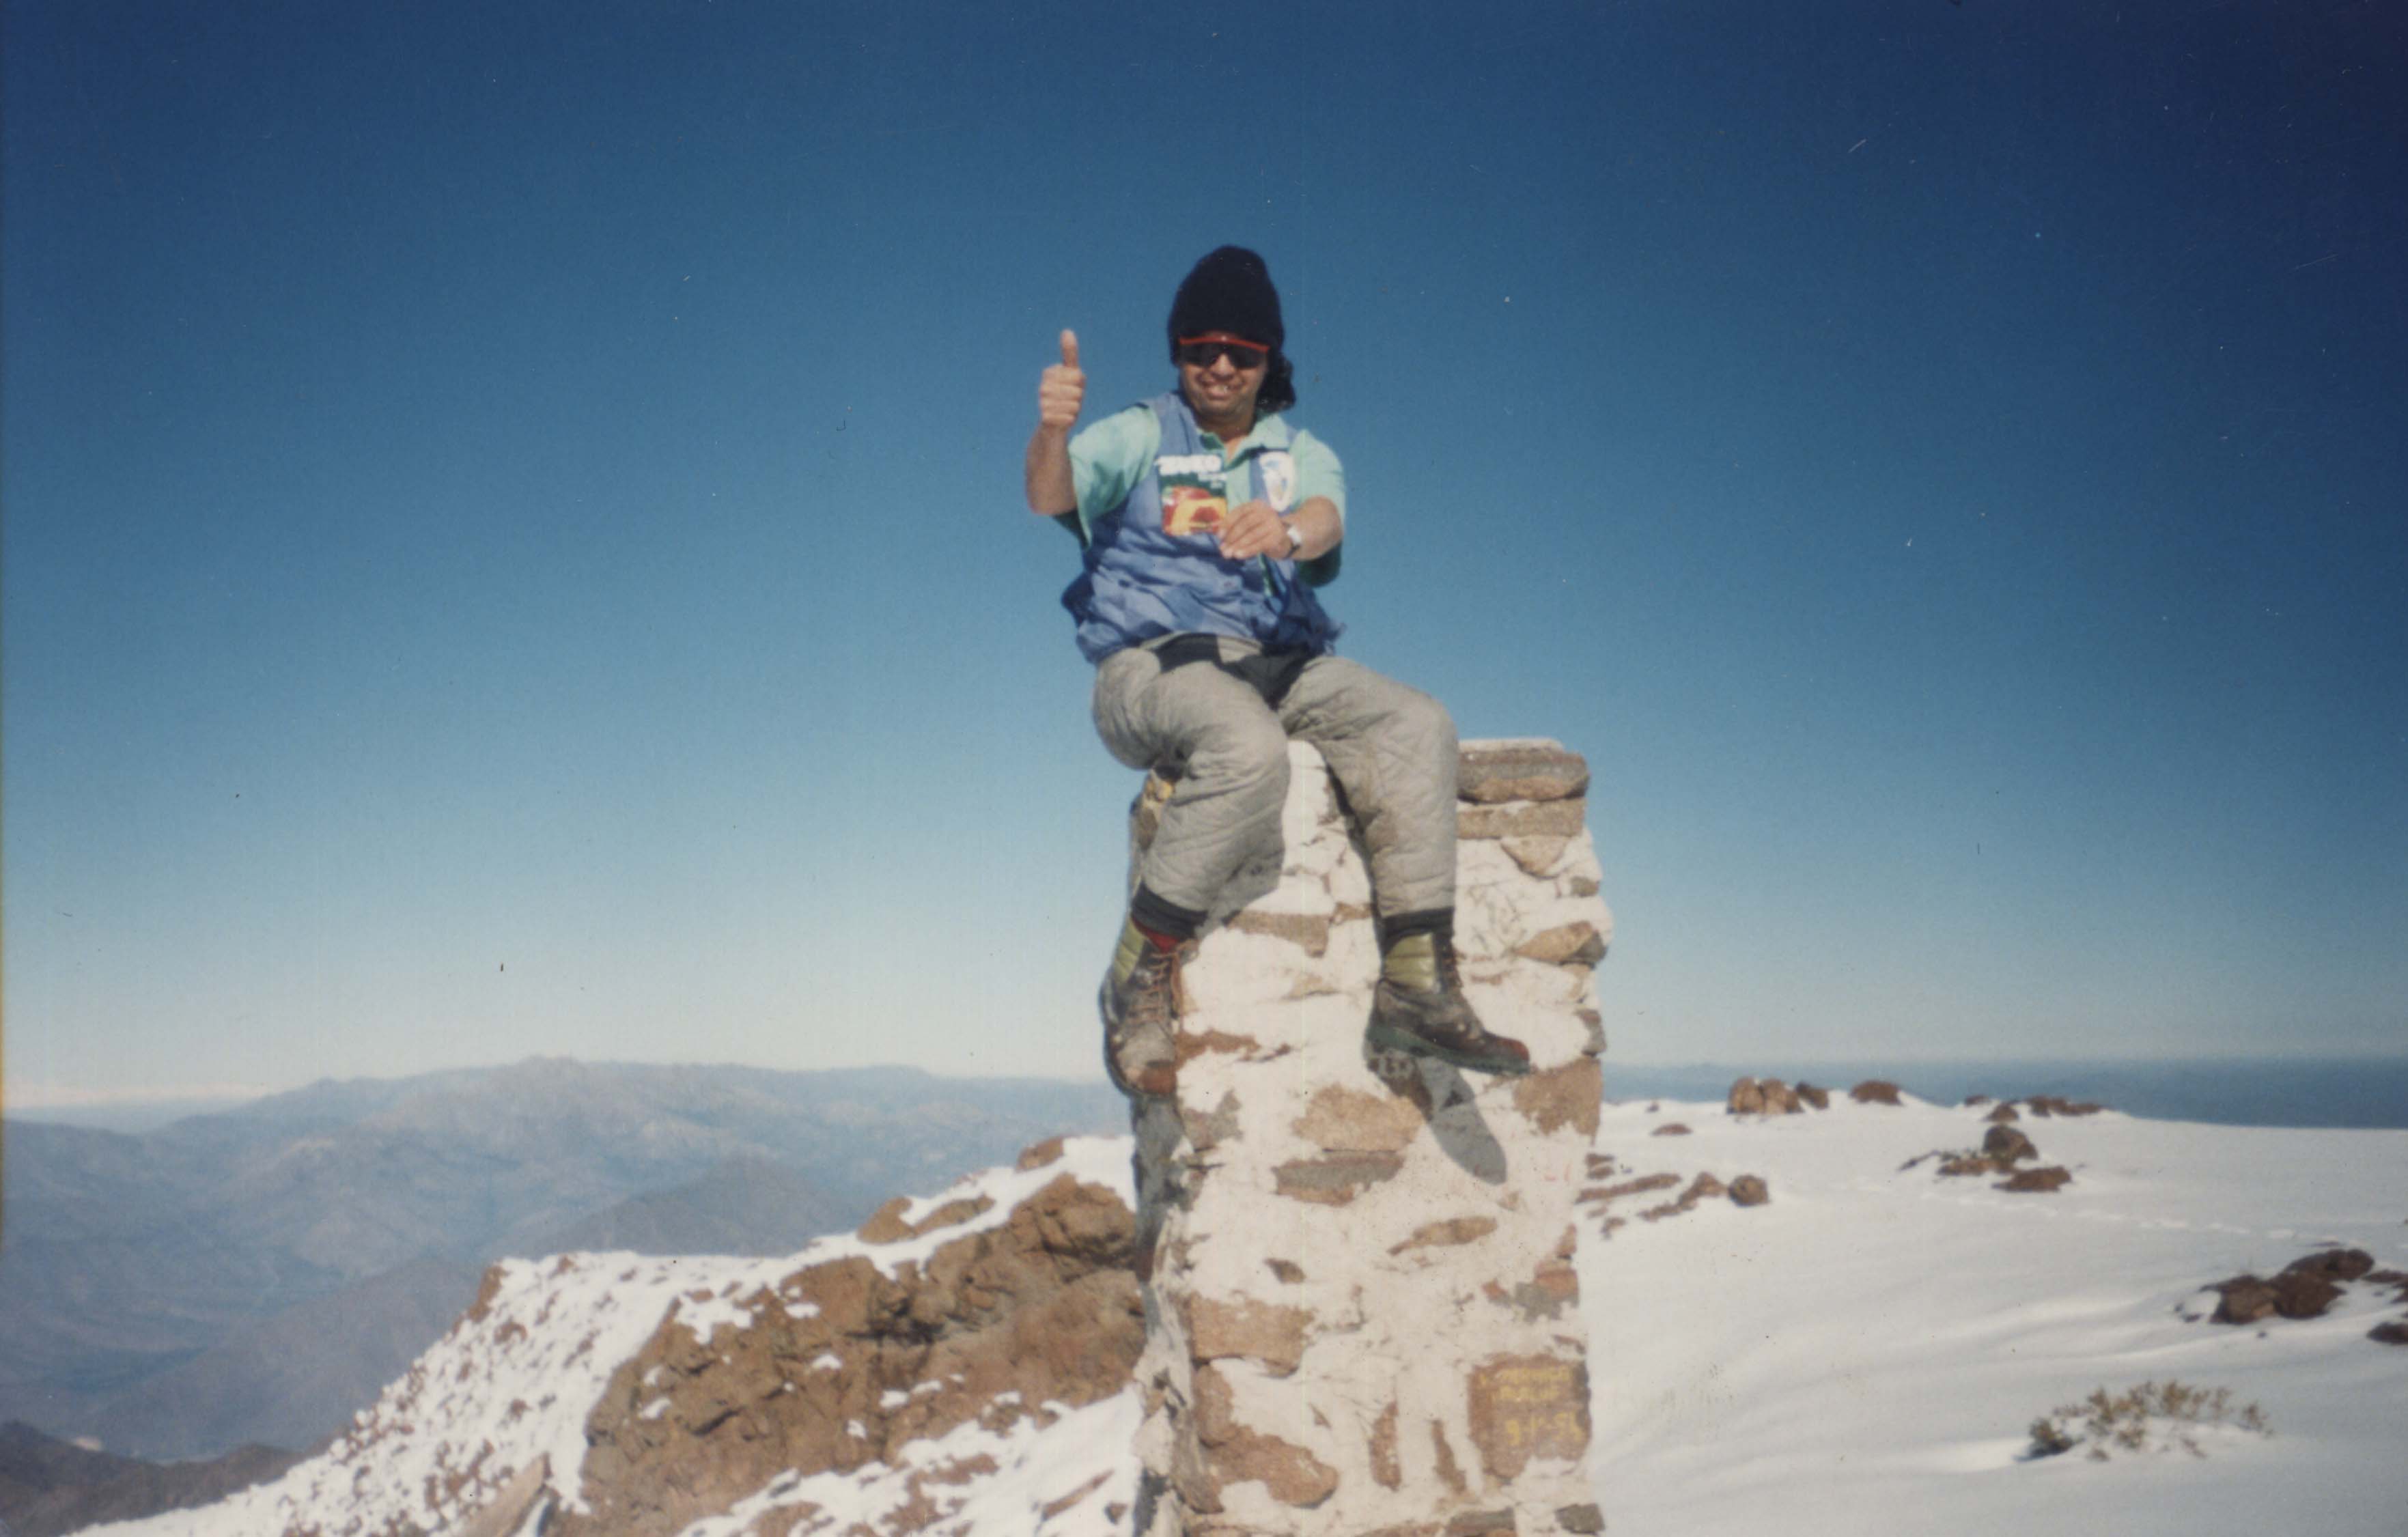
(513, 539)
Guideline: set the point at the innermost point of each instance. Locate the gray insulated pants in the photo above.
(1391, 748)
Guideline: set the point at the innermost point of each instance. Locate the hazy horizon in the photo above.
(2367, 1090)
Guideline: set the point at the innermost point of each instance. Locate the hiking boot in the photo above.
(1438, 1022)
(1140, 1014)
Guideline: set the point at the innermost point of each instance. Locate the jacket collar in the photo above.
(1271, 430)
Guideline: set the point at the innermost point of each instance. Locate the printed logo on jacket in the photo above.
(1195, 497)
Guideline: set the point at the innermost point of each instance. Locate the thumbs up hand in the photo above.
(1061, 389)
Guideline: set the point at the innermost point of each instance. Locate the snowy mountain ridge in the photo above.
(1865, 1350)
(519, 1381)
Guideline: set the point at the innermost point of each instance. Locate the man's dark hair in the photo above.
(1279, 386)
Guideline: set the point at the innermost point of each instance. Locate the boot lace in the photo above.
(1449, 973)
(1151, 986)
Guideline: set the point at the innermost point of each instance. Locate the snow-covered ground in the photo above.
(1062, 1481)
(1865, 1354)
(1862, 1355)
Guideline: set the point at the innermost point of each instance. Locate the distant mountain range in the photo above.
(255, 1276)
(49, 1488)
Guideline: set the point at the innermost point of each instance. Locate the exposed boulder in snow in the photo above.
(1700, 1188)
(1875, 1091)
(2037, 1181)
(2335, 1264)
(1745, 1190)
(2243, 1299)
(2007, 1145)
(1703, 1185)
(2304, 1288)
(1363, 1310)
(1762, 1097)
(1600, 1194)
(2304, 1293)
(2001, 1149)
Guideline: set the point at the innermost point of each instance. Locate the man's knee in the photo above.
(1225, 812)
(1433, 721)
(1244, 752)
(1424, 729)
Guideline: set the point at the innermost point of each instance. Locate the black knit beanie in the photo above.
(1230, 289)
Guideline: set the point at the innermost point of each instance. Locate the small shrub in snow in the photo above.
(2152, 1416)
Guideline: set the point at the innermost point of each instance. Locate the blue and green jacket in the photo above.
(1152, 492)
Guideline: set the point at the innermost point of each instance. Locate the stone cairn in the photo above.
(1362, 1316)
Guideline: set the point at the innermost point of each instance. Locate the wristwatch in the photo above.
(1295, 537)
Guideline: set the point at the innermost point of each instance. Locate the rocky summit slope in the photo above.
(260, 1275)
(612, 1393)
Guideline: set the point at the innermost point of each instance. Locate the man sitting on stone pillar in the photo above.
(1206, 523)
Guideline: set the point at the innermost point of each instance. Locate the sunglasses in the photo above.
(1204, 351)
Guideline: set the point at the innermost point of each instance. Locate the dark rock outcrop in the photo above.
(2007, 1145)
(842, 1364)
(2049, 1104)
(1762, 1097)
(2304, 1288)
(2039, 1181)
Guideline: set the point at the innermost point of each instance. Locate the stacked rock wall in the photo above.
(1362, 1314)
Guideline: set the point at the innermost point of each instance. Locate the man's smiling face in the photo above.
(1222, 393)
